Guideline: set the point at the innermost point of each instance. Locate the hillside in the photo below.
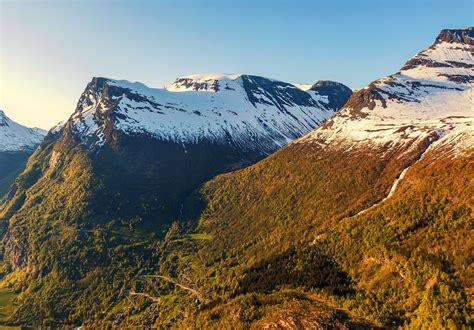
(371, 212)
(149, 148)
(381, 192)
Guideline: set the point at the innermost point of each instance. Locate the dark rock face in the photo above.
(337, 93)
(3, 119)
(260, 90)
(417, 61)
(462, 36)
(154, 176)
(459, 78)
(364, 98)
(198, 86)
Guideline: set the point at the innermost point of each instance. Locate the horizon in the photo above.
(154, 43)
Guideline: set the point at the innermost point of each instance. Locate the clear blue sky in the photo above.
(51, 49)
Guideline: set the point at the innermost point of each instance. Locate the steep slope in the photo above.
(360, 152)
(380, 195)
(432, 94)
(17, 142)
(102, 188)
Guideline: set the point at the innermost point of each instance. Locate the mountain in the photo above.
(124, 164)
(253, 114)
(363, 222)
(15, 137)
(150, 148)
(17, 142)
(371, 213)
(430, 96)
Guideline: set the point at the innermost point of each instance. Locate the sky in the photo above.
(50, 50)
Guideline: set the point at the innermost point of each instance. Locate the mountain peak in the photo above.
(336, 92)
(211, 76)
(449, 59)
(326, 83)
(461, 36)
(319, 83)
(431, 94)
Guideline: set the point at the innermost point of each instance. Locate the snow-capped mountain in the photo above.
(375, 194)
(15, 137)
(385, 187)
(248, 112)
(431, 96)
(145, 150)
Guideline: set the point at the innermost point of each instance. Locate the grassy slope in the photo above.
(292, 196)
(412, 255)
(408, 257)
(287, 308)
(7, 303)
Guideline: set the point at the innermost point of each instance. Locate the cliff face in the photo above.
(460, 36)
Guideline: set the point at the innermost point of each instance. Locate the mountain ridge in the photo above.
(391, 109)
(251, 112)
(114, 138)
